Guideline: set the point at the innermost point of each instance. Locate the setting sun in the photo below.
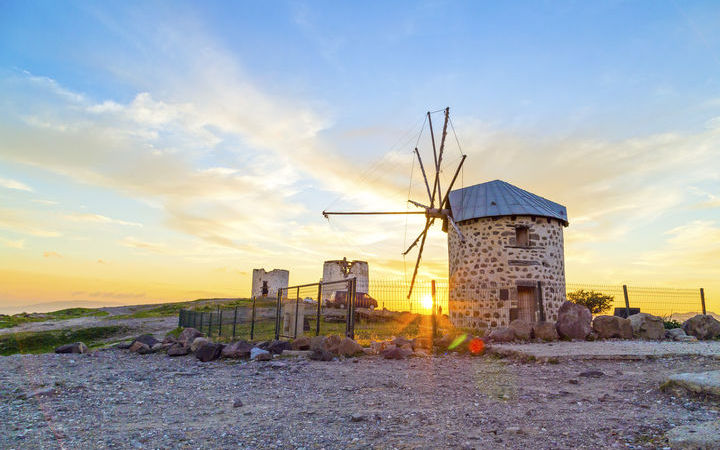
(426, 301)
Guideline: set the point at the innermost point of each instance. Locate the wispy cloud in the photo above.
(51, 254)
(8, 183)
(97, 218)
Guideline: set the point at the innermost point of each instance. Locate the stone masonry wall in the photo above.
(276, 279)
(486, 270)
(335, 271)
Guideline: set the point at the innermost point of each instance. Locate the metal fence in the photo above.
(385, 311)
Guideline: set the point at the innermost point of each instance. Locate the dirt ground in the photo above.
(117, 399)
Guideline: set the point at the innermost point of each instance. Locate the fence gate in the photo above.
(311, 308)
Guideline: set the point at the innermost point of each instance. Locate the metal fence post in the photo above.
(277, 314)
(220, 322)
(180, 317)
(209, 323)
(319, 309)
(297, 308)
(234, 322)
(433, 309)
(627, 302)
(541, 307)
(702, 299)
(252, 320)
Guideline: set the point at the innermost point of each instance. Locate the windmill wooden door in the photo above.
(527, 304)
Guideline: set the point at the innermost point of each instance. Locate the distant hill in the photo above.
(682, 317)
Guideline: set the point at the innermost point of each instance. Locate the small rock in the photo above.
(178, 350)
(41, 392)
(147, 339)
(396, 353)
(188, 336)
(259, 354)
(357, 418)
(76, 347)
(198, 342)
(209, 352)
(237, 403)
(140, 348)
(321, 355)
(301, 343)
(502, 334)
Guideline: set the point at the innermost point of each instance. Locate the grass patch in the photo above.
(63, 314)
(46, 341)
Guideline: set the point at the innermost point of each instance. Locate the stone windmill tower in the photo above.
(509, 261)
(502, 241)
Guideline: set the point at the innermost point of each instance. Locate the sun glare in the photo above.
(426, 301)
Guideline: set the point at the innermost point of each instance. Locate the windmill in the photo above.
(438, 206)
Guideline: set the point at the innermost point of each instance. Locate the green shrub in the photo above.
(596, 302)
(671, 323)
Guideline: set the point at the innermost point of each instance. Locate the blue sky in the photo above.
(184, 143)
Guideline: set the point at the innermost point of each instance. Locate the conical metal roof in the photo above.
(498, 198)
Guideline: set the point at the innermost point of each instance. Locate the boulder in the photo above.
(198, 342)
(403, 343)
(178, 349)
(209, 352)
(259, 354)
(349, 347)
(704, 435)
(317, 343)
(442, 343)
(188, 335)
(608, 327)
(522, 329)
(502, 334)
(277, 347)
(301, 343)
(237, 350)
(675, 334)
(75, 347)
(124, 345)
(331, 343)
(702, 327)
(147, 339)
(321, 354)
(545, 331)
(139, 347)
(573, 321)
(160, 346)
(396, 353)
(647, 326)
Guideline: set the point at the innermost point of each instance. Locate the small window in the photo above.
(522, 238)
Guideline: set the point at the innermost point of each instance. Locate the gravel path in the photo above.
(614, 349)
(117, 399)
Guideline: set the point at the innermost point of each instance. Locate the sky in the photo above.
(155, 151)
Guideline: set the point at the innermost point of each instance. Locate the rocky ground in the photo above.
(118, 399)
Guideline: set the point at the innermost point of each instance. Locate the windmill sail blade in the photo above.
(440, 153)
(422, 168)
(445, 201)
(366, 213)
(417, 239)
(417, 264)
(419, 205)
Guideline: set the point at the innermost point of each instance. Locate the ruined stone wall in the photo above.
(334, 271)
(486, 270)
(276, 279)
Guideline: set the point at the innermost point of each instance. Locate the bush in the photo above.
(596, 302)
(671, 323)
